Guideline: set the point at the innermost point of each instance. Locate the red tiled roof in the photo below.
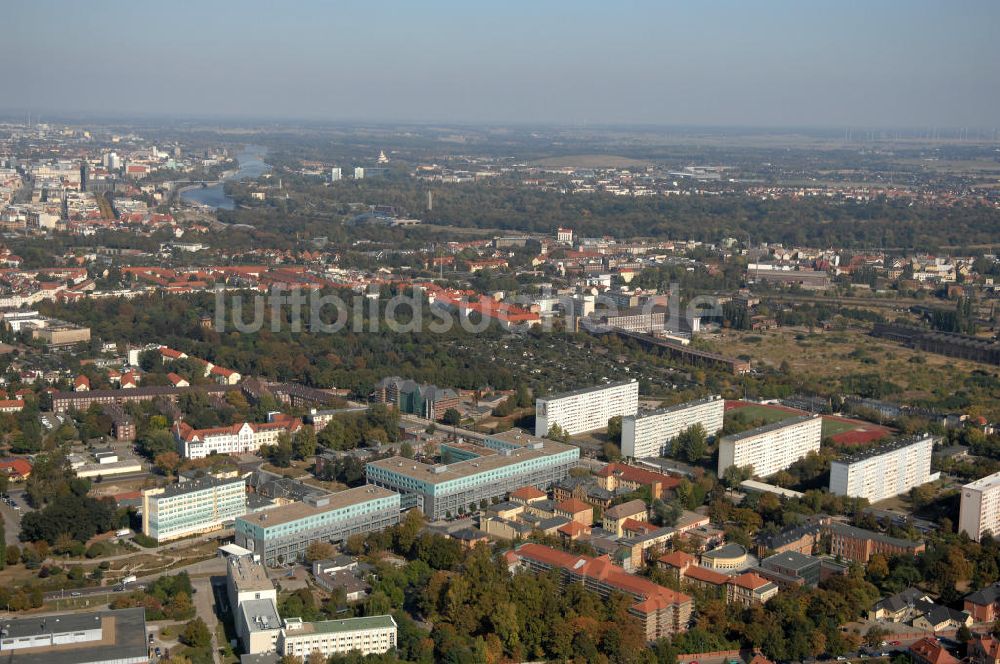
(652, 596)
(573, 506)
(706, 575)
(677, 559)
(638, 475)
(573, 529)
(928, 649)
(527, 493)
(749, 580)
(175, 379)
(21, 467)
(636, 526)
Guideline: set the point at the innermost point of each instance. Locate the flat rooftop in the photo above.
(248, 575)
(123, 637)
(676, 407)
(344, 625)
(767, 428)
(439, 473)
(891, 446)
(985, 483)
(790, 560)
(199, 484)
(586, 390)
(518, 438)
(260, 615)
(334, 501)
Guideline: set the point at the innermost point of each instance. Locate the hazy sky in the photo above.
(746, 62)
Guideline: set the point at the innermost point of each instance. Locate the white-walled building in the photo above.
(368, 635)
(772, 447)
(980, 510)
(886, 471)
(586, 409)
(647, 434)
(238, 438)
(253, 601)
(200, 506)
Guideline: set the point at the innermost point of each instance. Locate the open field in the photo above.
(842, 430)
(826, 357)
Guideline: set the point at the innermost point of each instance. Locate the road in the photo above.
(204, 604)
(87, 592)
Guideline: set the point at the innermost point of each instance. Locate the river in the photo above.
(252, 166)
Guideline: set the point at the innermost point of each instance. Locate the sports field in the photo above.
(842, 430)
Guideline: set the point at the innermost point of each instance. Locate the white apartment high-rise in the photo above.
(359, 173)
(772, 447)
(647, 434)
(980, 510)
(587, 409)
(336, 174)
(886, 471)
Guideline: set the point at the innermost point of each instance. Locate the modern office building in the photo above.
(199, 506)
(886, 471)
(503, 463)
(980, 510)
(367, 635)
(253, 600)
(661, 612)
(283, 533)
(428, 401)
(587, 409)
(97, 637)
(649, 433)
(772, 447)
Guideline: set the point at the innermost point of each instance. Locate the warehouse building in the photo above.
(99, 637)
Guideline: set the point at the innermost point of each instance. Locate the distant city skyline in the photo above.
(768, 64)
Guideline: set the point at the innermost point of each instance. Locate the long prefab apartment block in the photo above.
(647, 434)
(586, 409)
(772, 447)
(885, 471)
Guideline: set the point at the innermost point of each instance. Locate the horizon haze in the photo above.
(773, 64)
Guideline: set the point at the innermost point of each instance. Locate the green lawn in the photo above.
(759, 412)
(833, 427)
